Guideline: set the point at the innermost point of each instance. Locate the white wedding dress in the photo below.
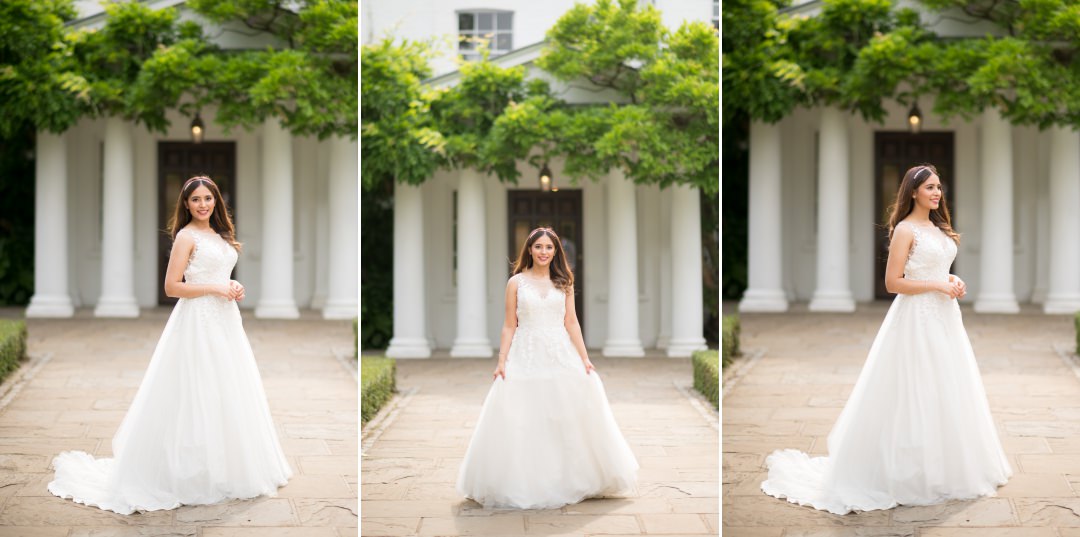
(917, 428)
(199, 429)
(546, 436)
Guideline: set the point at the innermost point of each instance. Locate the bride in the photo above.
(917, 428)
(199, 429)
(546, 436)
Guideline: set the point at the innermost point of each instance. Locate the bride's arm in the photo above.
(895, 282)
(175, 287)
(573, 327)
(510, 323)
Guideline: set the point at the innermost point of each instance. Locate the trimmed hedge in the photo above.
(707, 375)
(376, 385)
(12, 345)
(730, 338)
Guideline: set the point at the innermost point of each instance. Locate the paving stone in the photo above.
(1048, 511)
(588, 524)
(34, 531)
(316, 486)
(765, 510)
(320, 512)
(902, 531)
(1025, 485)
(508, 524)
(171, 531)
(992, 532)
(272, 532)
(52, 511)
(257, 512)
(981, 512)
(371, 526)
(673, 523)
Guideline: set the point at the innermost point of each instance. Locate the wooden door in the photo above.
(895, 153)
(178, 162)
(561, 211)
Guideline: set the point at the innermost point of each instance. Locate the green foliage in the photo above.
(377, 385)
(400, 139)
(665, 132)
(17, 218)
(707, 375)
(730, 338)
(377, 271)
(37, 85)
(12, 345)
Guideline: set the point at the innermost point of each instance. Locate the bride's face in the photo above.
(201, 204)
(542, 251)
(928, 195)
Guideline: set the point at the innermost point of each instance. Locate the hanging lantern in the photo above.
(914, 119)
(197, 129)
(546, 183)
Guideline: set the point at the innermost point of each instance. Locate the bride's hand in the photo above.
(589, 367)
(500, 371)
(224, 290)
(237, 290)
(949, 288)
(960, 283)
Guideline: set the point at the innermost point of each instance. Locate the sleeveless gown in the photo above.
(917, 428)
(546, 436)
(199, 429)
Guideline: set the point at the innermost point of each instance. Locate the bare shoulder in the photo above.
(512, 283)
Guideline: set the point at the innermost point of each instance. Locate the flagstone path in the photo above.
(790, 397)
(411, 455)
(83, 375)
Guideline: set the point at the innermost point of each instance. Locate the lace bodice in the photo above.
(539, 303)
(212, 260)
(931, 254)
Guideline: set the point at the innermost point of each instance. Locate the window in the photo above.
(496, 28)
(716, 14)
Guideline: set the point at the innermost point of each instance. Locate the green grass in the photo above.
(707, 375)
(730, 338)
(12, 345)
(376, 385)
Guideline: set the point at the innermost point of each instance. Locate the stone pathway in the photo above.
(795, 391)
(409, 471)
(91, 370)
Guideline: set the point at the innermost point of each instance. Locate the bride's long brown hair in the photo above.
(905, 202)
(220, 220)
(561, 275)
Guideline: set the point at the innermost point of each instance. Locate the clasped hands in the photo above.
(232, 290)
(955, 287)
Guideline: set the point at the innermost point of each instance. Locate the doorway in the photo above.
(561, 211)
(178, 162)
(894, 153)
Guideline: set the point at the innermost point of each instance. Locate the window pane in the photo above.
(486, 21)
(504, 42)
(466, 21)
(467, 43)
(504, 21)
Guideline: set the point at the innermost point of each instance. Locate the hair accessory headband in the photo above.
(539, 229)
(918, 173)
(198, 178)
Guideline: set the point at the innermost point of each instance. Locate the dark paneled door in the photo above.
(178, 162)
(561, 211)
(895, 153)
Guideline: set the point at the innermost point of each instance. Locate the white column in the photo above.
(276, 298)
(833, 292)
(118, 219)
(996, 255)
(471, 339)
(1064, 293)
(765, 290)
(622, 332)
(51, 297)
(687, 304)
(410, 321)
(343, 203)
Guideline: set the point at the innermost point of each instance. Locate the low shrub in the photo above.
(376, 385)
(12, 345)
(707, 375)
(730, 338)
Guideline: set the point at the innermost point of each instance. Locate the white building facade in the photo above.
(822, 179)
(106, 189)
(635, 250)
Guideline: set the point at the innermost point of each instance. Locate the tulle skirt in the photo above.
(198, 431)
(916, 430)
(546, 436)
